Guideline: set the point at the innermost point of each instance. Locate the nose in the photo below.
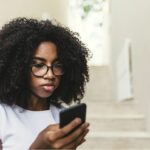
(49, 74)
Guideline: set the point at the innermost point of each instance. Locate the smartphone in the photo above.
(69, 114)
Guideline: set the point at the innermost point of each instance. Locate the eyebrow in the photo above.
(39, 58)
(42, 59)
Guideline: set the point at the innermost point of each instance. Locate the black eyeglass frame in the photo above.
(47, 67)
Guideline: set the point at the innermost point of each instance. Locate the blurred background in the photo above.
(118, 34)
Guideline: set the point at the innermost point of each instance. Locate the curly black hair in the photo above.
(18, 42)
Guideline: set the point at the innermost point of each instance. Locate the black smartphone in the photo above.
(69, 114)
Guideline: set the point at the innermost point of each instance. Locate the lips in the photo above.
(48, 87)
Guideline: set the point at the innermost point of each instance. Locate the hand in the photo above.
(54, 137)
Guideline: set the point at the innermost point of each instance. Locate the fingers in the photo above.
(59, 138)
(53, 127)
(74, 139)
(76, 122)
(78, 141)
(73, 145)
(59, 133)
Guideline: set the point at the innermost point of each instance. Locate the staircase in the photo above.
(113, 125)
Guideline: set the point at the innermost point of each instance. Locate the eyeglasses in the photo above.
(41, 69)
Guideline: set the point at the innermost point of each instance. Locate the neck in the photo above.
(37, 104)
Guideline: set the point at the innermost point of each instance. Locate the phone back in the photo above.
(69, 114)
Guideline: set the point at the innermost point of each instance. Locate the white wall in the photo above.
(96, 37)
(131, 19)
(57, 9)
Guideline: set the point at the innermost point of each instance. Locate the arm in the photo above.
(55, 138)
(0, 144)
(0, 127)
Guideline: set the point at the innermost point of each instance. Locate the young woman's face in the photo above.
(43, 80)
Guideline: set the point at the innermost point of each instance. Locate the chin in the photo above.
(45, 95)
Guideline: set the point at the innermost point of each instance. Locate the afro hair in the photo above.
(18, 42)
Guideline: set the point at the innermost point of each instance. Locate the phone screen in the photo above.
(69, 114)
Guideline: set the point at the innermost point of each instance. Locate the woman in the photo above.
(41, 65)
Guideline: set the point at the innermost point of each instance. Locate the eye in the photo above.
(38, 65)
(57, 65)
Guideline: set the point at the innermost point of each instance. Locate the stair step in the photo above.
(112, 108)
(117, 140)
(117, 123)
(113, 125)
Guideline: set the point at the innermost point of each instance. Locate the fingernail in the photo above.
(87, 124)
(78, 120)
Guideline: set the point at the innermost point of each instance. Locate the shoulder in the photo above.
(6, 112)
(4, 106)
(4, 109)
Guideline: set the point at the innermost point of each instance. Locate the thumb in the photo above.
(53, 127)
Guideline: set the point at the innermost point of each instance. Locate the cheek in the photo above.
(33, 83)
(58, 79)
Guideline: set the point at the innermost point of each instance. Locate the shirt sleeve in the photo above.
(1, 122)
